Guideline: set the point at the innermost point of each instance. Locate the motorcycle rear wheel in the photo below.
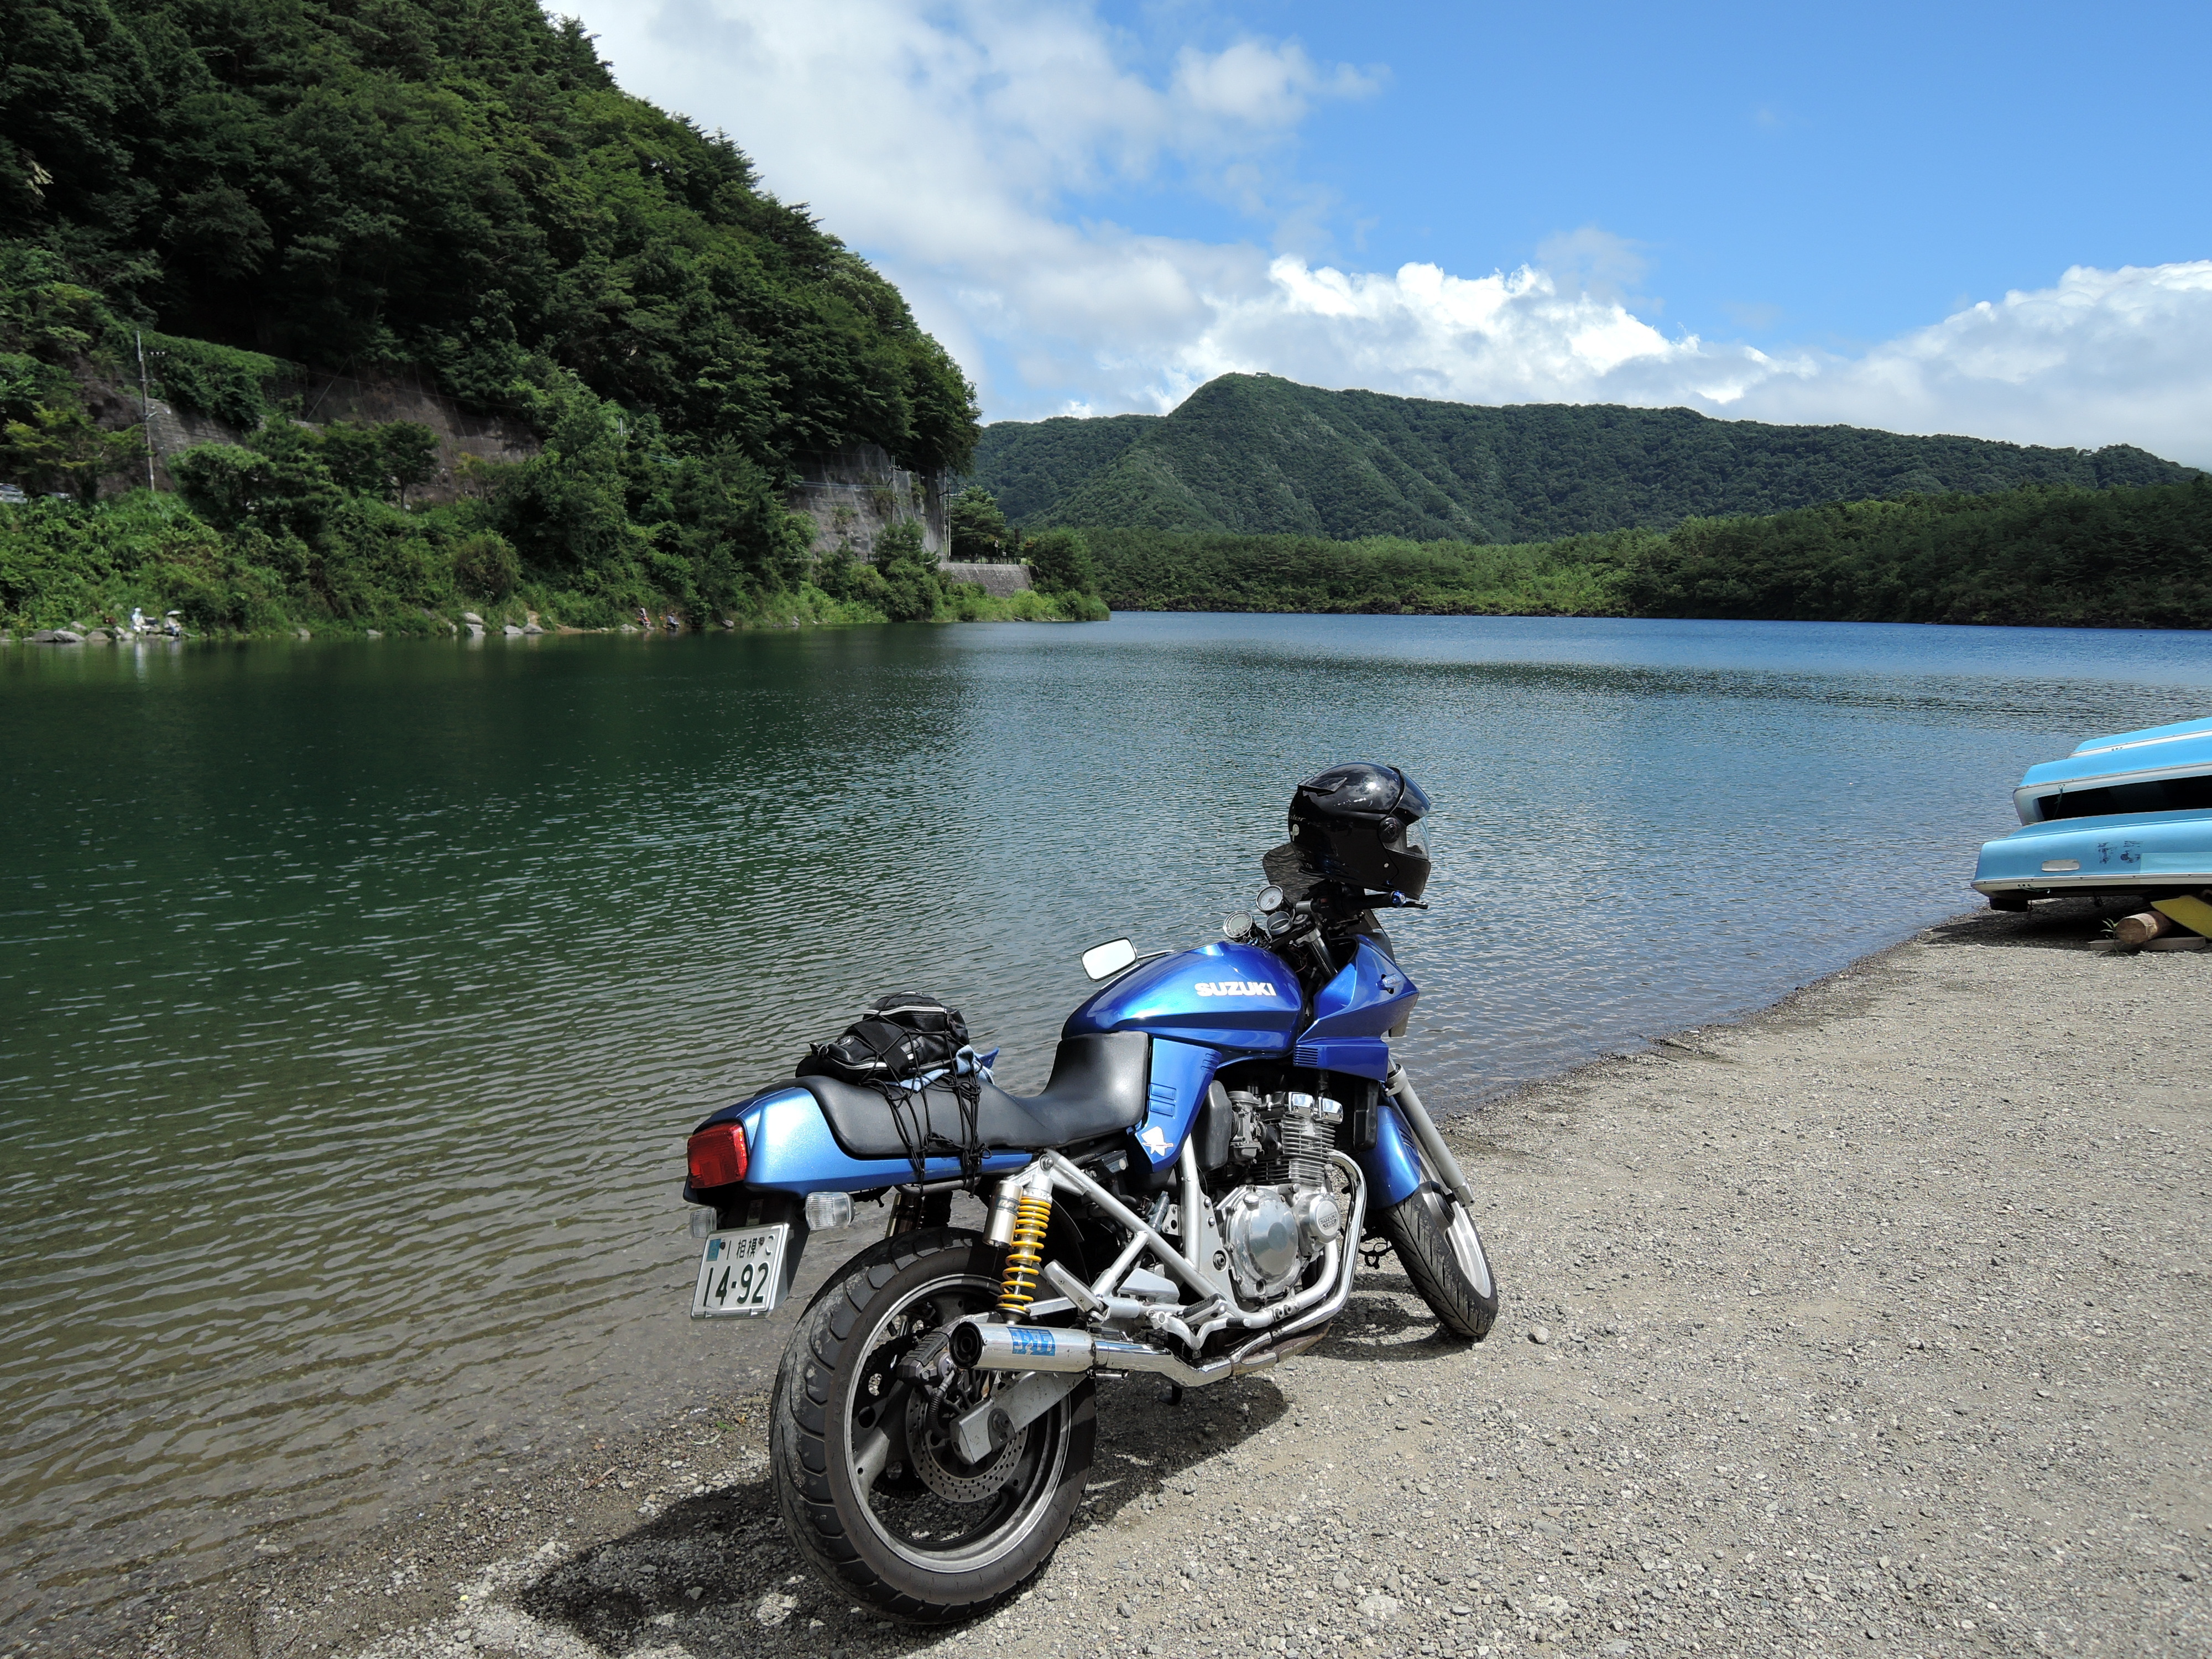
(1442, 1253)
(913, 1531)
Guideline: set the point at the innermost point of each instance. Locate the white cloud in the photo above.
(2104, 357)
(959, 146)
(1261, 84)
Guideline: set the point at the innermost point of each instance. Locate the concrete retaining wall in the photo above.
(997, 579)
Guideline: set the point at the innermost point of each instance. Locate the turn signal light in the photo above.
(717, 1154)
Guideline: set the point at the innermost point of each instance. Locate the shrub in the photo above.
(486, 565)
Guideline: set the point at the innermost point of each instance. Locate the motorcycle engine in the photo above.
(1286, 1212)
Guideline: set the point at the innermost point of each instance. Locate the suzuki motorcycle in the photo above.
(1224, 1127)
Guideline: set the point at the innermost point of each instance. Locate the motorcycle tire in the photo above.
(1442, 1253)
(924, 1538)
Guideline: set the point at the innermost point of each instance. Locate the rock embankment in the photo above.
(1875, 1324)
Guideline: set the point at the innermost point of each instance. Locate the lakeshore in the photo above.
(1870, 1323)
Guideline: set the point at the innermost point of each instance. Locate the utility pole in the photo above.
(145, 408)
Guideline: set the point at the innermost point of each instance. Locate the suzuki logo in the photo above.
(1234, 987)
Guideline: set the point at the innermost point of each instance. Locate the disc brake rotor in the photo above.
(930, 1456)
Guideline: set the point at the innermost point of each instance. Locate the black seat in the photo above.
(1098, 1085)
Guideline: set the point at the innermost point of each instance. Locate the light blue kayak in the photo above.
(2130, 813)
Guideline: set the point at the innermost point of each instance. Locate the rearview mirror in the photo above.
(1104, 961)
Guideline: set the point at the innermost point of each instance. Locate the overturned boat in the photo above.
(2125, 814)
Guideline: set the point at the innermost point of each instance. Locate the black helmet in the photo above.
(1360, 825)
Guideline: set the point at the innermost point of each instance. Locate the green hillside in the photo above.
(2048, 555)
(459, 191)
(1256, 454)
(463, 188)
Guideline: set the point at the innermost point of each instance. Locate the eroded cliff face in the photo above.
(854, 495)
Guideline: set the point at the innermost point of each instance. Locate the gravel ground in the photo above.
(1873, 1324)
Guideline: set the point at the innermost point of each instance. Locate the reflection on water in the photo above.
(353, 1000)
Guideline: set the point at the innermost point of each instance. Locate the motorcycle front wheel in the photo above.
(873, 1489)
(1442, 1253)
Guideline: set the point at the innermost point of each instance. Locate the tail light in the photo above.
(717, 1155)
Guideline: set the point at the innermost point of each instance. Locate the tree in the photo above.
(1059, 562)
(382, 460)
(59, 450)
(411, 455)
(909, 572)
(979, 528)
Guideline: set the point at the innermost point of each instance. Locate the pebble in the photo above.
(1540, 1334)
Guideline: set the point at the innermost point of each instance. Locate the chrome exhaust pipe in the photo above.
(978, 1346)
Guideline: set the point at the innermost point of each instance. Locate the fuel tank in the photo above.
(1225, 994)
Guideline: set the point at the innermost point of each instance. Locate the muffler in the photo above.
(979, 1347)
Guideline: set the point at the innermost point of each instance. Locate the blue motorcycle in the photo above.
(1223, 1129)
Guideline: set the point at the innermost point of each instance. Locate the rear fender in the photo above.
(1064, 1243)
(789, 1149)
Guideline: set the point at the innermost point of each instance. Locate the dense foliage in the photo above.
(2126, 557)
(263, 537)
(1255, 454)
(462, 188)
(1185, 570)
(2115, 558)
(255, 190)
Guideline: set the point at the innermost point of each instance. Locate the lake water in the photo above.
(354, 1000)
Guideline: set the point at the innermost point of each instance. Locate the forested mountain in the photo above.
(1257, 454)
(455, 192)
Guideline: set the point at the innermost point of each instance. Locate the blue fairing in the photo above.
(1393, 1164)
(1233, 996)
(1204, 1009)
(1369, 995)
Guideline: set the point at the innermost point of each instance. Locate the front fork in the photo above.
(1425, 1131)
(1405, 1135)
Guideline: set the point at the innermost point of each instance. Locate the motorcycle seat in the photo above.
(1098, 1085)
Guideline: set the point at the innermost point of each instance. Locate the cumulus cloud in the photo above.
(967, 148)
(1516, 337)
(2102, 356)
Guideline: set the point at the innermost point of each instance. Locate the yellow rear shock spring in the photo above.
(1024, 1254)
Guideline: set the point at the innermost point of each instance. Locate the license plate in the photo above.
(741, 1272)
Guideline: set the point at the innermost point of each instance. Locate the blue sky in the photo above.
(1960, 218)
(1842, 173)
